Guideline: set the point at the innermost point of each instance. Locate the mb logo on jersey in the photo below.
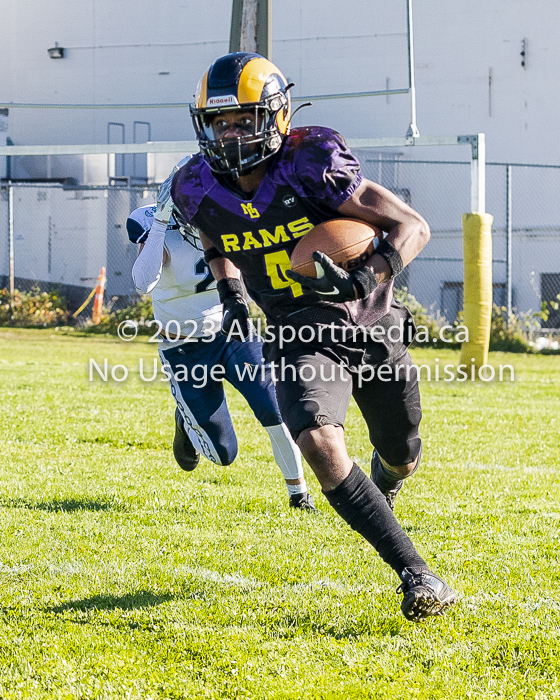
(249, 210)
(289, 200)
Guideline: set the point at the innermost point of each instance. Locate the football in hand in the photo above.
(348, 242)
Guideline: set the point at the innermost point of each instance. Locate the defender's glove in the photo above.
(235, 319)
(164, 206)
(335, 284)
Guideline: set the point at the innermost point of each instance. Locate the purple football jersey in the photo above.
(313, 173)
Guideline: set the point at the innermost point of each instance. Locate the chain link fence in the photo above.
(525, 203)
(63, 234)
(441, 193)
(533, 219)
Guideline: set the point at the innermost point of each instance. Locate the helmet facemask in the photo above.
(189, 232)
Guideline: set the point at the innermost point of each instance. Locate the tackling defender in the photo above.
(171, 267)
(253, 191)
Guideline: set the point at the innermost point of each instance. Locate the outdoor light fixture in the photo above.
(57, 51)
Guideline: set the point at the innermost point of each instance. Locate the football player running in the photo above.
(171, 267)
(258, 186)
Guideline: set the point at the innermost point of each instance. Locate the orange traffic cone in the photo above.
(98, 302)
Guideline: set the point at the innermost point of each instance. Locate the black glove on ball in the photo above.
(336, 284)
(234, 308)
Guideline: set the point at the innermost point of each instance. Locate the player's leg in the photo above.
(389, 479)
(391, 408)
(358, 501)
(246, 371)
(185, 453)
(392, 411)
(202, 416)
(314, 411)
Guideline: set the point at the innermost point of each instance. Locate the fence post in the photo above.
(412, 132)
(478, 174)
(11, 236)
(509, 243)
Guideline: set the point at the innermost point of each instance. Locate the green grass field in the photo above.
(123, 577)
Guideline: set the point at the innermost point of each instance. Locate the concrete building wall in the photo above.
(469, 78)
(468, 66)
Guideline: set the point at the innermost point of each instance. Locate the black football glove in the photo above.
(235, 308)
(336, 284)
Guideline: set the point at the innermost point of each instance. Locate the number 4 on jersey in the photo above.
(276, 265)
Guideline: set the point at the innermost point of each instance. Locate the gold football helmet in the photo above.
(241, 82)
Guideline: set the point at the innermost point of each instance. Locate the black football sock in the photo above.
(358, 501)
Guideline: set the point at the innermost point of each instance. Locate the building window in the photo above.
(550, 288)
(451, 300)
(499, 294)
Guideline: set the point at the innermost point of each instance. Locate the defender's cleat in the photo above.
(424, 594)
(388, 487)
(391, 496)
(184, 451)
(303, 501)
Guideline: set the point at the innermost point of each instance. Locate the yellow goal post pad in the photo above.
(477, 289)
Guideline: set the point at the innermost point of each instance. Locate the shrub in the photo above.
(32, 309)
(422, 318)
(141, 312)
(515, 334)
(256, 313)
(509, 335)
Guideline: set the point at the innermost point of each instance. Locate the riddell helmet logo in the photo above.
(224, 101)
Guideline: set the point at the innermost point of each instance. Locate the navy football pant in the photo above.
(201, 399)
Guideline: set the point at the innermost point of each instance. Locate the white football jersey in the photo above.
(186, 291)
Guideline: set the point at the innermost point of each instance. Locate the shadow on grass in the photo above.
(123, 443)
(65, 505)
(129, 601)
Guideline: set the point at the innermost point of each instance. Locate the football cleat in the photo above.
(391, 495)
(303, 501)
(184, 451)
(388, 487)
(424, 594)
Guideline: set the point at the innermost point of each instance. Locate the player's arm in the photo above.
(407, 231)
(146, 271)
(230, 289)
(220, 267)
(165, 256)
